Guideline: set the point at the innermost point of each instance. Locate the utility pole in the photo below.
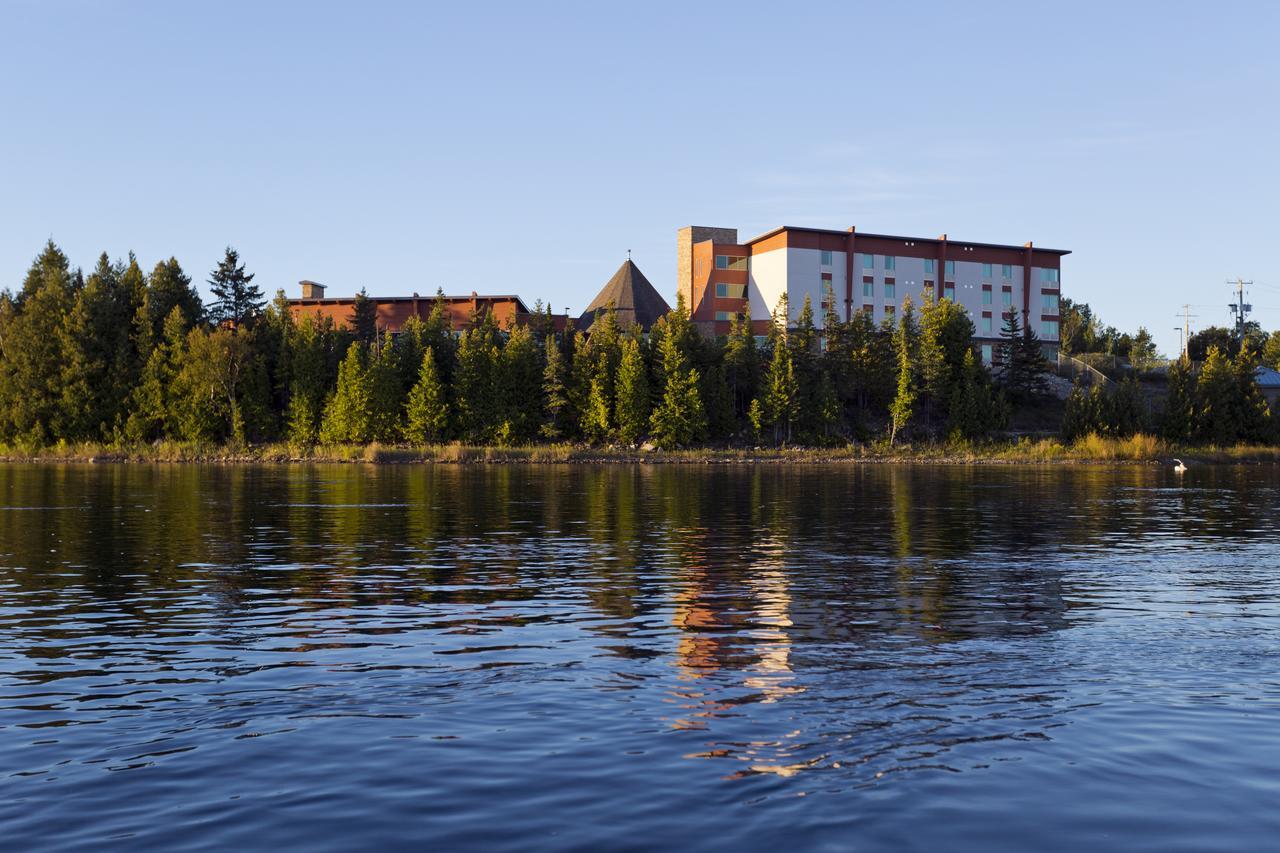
(1240, 308)
(1187, 317)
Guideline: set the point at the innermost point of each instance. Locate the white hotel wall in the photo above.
(799, 272)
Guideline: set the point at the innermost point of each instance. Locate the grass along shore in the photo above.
(1090, 449)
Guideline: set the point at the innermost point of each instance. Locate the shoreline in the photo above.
(1092, 450)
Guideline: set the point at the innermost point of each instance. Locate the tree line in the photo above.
(123, 356)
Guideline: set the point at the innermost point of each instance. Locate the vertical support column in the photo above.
(850, 243)
(1026, 289)
(940, 274)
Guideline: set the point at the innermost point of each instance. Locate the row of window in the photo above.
(890, 262)
(731, 262)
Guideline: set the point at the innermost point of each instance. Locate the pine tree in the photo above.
(1177, 420)
(427, 409)
(742, 365)
(1077, 415)
(386, 393)
(168, 287)
(95, 348)
(520, 378)
(975, 408)
(364, 318)
(32, 349)
(595, 413)
(632, 400)
(237, 301)
(1217, 400)
(679, 418)
(476, 390)
(348, 415)
(153, 410)
(905, 345)
(780, 395)
(558, 414)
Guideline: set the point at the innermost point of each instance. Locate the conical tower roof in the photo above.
(634, 299)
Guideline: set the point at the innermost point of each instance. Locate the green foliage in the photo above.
(1022, 365)
(679, 418)
(478, 408)
(632, 403)
(348, 415)
(905, 346)
(236, 299)
(520, 378)
(427, 408)
(364, 318)
(975, 407)
(558, 415)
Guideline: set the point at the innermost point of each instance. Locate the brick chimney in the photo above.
(312, 289)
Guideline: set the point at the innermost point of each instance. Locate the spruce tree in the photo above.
(780, 395)
(520, 380)
(153, 409)
(679, 418)
(364, 318)
(595, 413)
(632, 401)
(427, 409)
(348, 415)
(32, 349)
(558, 414)
(237, 300)
(1177, 419)
(905, 346)
(386, 393)
(741, 365)
(476, 389)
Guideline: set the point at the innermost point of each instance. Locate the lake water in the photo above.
(622, 657)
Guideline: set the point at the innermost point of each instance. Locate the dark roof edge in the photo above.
(935, 240)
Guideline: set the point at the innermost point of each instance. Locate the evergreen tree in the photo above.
(237, 300)
(558, 414)
(427, 409)
(679, 418)
(595, 412)
(168, 287)
(364, 318)
(311, 349)
(476, 390)
(153, 409)
(1077, 415)
(32, 350)
(803, 343)
(780, 395)
(975, 408)
(946, 339)
(386, 393)
(1142, 352)
(905, 346)
(96, 348)
(348, 415)
(520, 374)
(1022, 363)
(741, 365)
(1177, 421)
(632, 401)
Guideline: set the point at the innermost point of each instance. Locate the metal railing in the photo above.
(1073, 368)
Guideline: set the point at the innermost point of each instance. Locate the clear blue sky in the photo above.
(525, 148)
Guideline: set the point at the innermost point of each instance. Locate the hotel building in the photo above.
(720, 277)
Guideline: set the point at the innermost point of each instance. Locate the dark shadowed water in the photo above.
(604, 658)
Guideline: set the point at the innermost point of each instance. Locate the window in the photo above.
(930, 266)
(731, 262)
(928, 287)
(949, 291)
(986, 324)
(722, 262)
(1048, 328)
(725, 290)
(761, 340)
(889, 310)
(890, 262)
(986, 296)
(825, 259)
(724, 316)
(868, 262)
(1049, 303)
(1049, 275)
(890, 291)
(868, 289)
(950, 268)
(986, 353)
(1006, 271)
(1006, 298)
(986, 270)
(868, 309)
